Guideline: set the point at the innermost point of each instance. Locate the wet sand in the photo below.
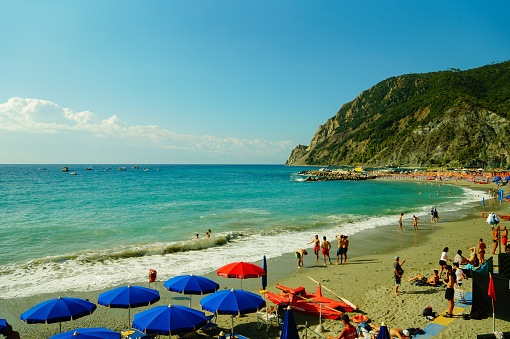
(366, 280)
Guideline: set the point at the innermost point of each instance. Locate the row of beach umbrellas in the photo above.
(182, 319)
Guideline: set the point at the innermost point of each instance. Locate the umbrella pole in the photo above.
(190, 301)
(232, 334)
(60, 324)
(129, 317)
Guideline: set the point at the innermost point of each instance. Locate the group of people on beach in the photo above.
(434, 218)
(325, 247)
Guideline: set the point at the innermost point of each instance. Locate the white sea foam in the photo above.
(130, 264)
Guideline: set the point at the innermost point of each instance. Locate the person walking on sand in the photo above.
(316, 246)
(398, 272)
(504, 238)
(449, 293)
(415, 218)
(442, 261)
(481, 251)
(326, 246)
(495, 239)
(400, 221)
(349, 332)
(299, 256)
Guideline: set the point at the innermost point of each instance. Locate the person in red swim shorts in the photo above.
(326, 246)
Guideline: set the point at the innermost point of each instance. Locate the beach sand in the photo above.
(366, 280)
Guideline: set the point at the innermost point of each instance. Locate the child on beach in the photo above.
(415, 222)
(299, 256)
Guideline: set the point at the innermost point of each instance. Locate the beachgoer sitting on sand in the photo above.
(433, 280)
(349, 332)
(460, 259)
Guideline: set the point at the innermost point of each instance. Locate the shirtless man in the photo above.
(400, 221)
(340, 249)
(481, 251)
(349, 332)
(326, 246)
(316, 246)
(299, 256)
(346, 247)
(504, 238)
(433, 280)
(495, 239)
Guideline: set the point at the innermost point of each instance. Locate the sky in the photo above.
(213, 82)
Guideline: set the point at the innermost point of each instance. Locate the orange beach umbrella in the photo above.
(241, 270)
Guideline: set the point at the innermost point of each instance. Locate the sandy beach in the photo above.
(366, 280)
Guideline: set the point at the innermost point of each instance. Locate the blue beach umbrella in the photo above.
(58, 310)
(233, 302)
(289, 328)
(264, 278)
(169, 320)
(128, 297)
(3, 325)
(191, 284)
(88, 333)
(383, 332)
(483, 202)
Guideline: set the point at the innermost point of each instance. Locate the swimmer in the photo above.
(196, 236)
(207, 234)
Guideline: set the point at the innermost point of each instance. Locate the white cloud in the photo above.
(35, 116)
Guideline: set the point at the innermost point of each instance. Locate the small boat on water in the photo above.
(89, 168)
(73, 173)
(65, 169)
(134, 167)
(121, 169)
(313, 304)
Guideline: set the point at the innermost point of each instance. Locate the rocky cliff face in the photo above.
(448, 118)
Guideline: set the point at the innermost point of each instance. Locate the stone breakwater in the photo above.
(317, 175)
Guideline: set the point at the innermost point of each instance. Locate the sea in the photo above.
(105, 227)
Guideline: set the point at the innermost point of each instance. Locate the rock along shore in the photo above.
(321, 175)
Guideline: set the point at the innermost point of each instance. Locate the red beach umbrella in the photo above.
(241, 270)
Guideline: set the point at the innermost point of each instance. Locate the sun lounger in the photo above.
(210, 322)
(268, 318)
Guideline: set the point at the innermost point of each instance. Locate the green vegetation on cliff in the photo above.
(444, 118)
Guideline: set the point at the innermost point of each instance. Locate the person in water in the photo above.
(207, 234)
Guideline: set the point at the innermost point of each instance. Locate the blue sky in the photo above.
(213, 81)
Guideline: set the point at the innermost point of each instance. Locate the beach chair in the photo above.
(268, 317)
(210, 322)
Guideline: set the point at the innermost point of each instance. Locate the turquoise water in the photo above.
(106, 227)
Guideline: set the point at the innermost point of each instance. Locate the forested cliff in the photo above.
(451, 118)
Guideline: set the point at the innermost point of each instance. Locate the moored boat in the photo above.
(313, 304)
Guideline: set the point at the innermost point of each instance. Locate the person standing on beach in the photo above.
(504, 238)
(326, 246)
(436, 217)
(398, 272)
(299, 256)
(346, 247)
(432, 214)
(400, 221)
(316, 246)
(340, 249)
(481, 251)
(495, 239)
(449, 293)
(415, 222)
(349, 332)
(442, 261)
